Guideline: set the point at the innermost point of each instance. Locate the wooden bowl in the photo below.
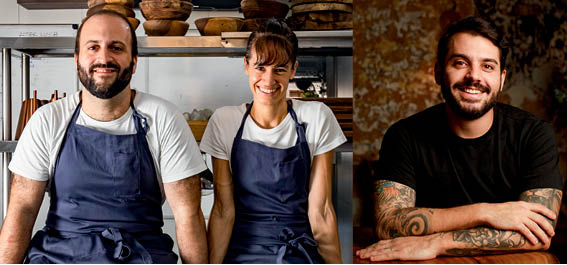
(166, 9)
(166, 27)
(121, 9)
(128, 3)
(213, 26)
(264, 9)
(293, 2)
(317, 7)
(253, 24)
(134, 22)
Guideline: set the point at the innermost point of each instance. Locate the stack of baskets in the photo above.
(123, 7)
(321, 14)
(166, 17)
(258, 11)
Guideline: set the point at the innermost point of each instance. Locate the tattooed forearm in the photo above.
(395, 215)
(483, 237)
(483, 240)
(550, 198)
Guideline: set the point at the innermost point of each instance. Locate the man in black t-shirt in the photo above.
(469, 176)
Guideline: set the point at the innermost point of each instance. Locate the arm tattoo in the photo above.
(395, 213)
(484, 240)
(550, 198)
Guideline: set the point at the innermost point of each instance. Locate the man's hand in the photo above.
(403, 248)
(527, 218)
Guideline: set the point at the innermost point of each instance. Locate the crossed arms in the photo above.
(411, 233)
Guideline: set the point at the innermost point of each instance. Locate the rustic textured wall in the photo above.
(394, 56)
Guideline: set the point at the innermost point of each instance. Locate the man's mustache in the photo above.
(477, 85)
(106, 65)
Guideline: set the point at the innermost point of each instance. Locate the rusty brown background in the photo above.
(394, 56)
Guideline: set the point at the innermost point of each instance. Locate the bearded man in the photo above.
(469, 176)
(110, 156)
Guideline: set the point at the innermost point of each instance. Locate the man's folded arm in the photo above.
(411, 231)
(485, 240)
(397, 216)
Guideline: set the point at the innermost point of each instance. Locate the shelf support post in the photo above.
(25, 76)
(6, 124)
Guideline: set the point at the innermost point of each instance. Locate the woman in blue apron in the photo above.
(272, 197)
(99, 212)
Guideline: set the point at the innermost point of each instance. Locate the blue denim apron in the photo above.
(105, 201)
(270, 196)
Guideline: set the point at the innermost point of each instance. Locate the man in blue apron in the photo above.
(110, 156)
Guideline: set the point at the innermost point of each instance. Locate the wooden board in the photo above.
(343, 111)
(310, 7)
(53, 4)
(197, 128)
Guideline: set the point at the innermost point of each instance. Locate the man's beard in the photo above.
(461, 110)
(108, 91)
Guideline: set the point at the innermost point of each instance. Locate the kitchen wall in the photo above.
(188, 82)
(394, 56)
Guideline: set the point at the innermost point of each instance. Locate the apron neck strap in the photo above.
(140, 121)
(299, 127)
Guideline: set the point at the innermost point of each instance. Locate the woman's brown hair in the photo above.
(274, 43)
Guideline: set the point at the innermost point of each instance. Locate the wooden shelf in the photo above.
(53, 4)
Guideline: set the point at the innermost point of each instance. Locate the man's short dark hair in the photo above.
(475, 26)
(108, 13)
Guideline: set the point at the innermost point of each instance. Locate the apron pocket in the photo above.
(126, 174)
(290, 179)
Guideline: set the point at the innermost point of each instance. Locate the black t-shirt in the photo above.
(518, 153)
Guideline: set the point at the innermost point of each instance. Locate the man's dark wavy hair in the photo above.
(108, 13)
(475, 26)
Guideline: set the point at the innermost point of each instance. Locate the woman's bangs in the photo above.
(272, 50)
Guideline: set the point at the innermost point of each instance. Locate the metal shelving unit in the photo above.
(229, 44)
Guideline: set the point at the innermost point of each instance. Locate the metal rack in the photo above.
(229, 44)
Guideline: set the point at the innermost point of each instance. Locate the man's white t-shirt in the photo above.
(323, 132)
(174, 150)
